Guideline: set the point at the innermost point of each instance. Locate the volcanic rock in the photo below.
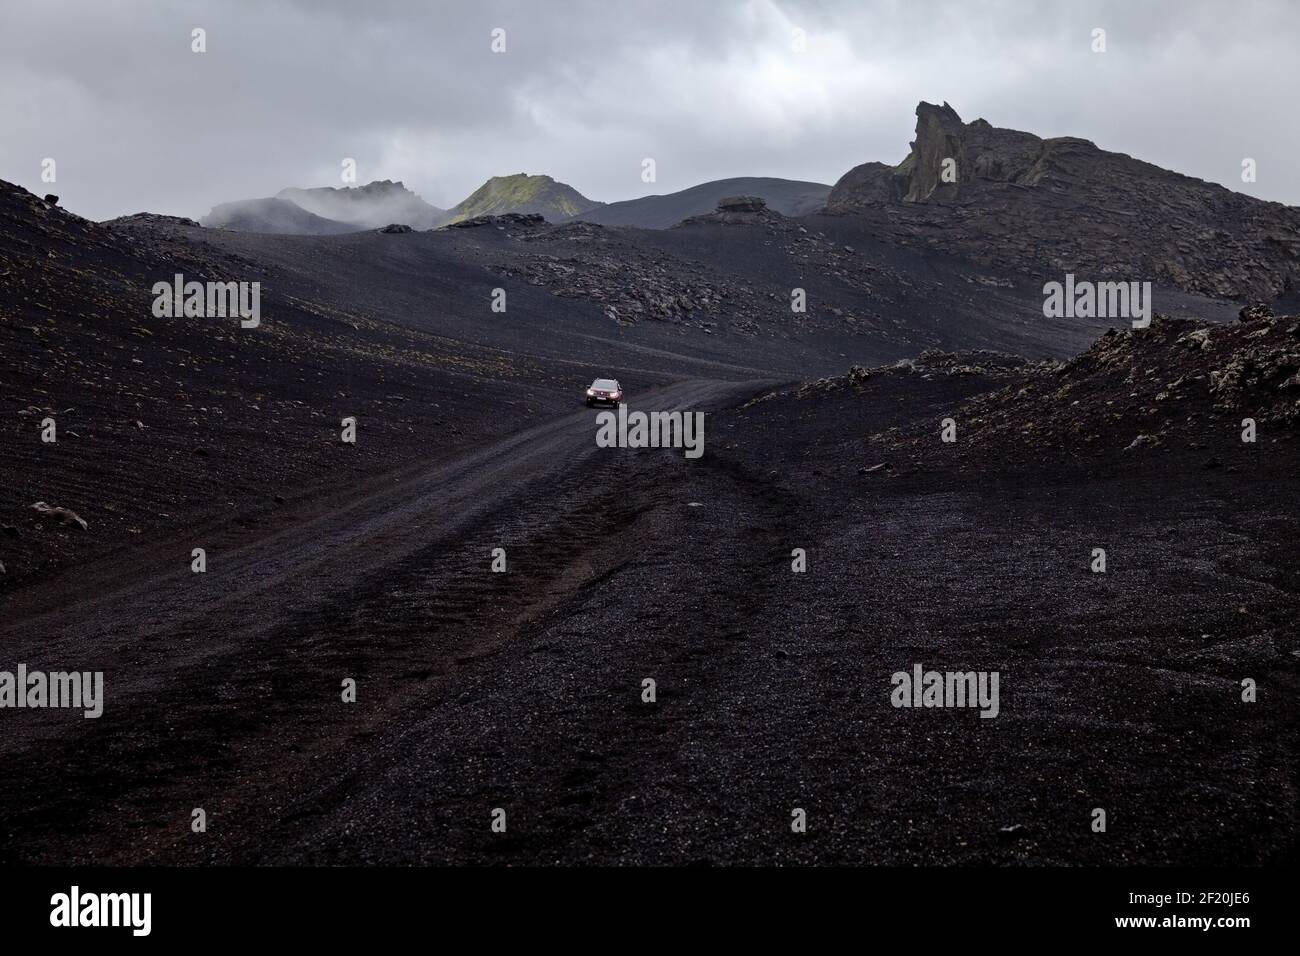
(525, 220)
(742, 204)
(63, 516)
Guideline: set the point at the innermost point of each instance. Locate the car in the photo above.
(605, 390)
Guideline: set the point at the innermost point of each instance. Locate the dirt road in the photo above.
(223, 689)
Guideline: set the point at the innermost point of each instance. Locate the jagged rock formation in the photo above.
(1047, 206)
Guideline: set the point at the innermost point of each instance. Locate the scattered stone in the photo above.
(1253, 313)
(62, 515)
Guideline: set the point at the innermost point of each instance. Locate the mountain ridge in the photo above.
(1007, 197)
(371, 206)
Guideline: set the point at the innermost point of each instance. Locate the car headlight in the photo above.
(590, 392)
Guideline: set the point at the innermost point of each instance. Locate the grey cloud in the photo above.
(588, 89)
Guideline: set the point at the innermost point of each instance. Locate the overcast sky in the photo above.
(588, 88)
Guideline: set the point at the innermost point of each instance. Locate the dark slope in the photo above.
(1048, 206)
(787, 196)
(714, 291)
(165, 424)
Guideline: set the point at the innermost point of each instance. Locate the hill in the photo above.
(272, 215)
(371, 206)
(786, 196)
(521, 193)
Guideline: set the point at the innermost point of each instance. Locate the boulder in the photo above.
(1252, 313)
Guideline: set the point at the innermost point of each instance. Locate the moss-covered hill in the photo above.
(523, 194)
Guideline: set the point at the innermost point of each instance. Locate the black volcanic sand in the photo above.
(522, 690)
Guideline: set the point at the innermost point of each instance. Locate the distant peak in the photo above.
(523, 193)
(370, 188)
(522, 177)
(945, 113)
(385, 185)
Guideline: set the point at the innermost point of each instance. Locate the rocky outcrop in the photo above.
(1006, 198)
(741, 204)
(506, 220)
(1179, 387)
(736, 209)
(149, 220)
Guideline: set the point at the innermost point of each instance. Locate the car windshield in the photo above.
(604, 383)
